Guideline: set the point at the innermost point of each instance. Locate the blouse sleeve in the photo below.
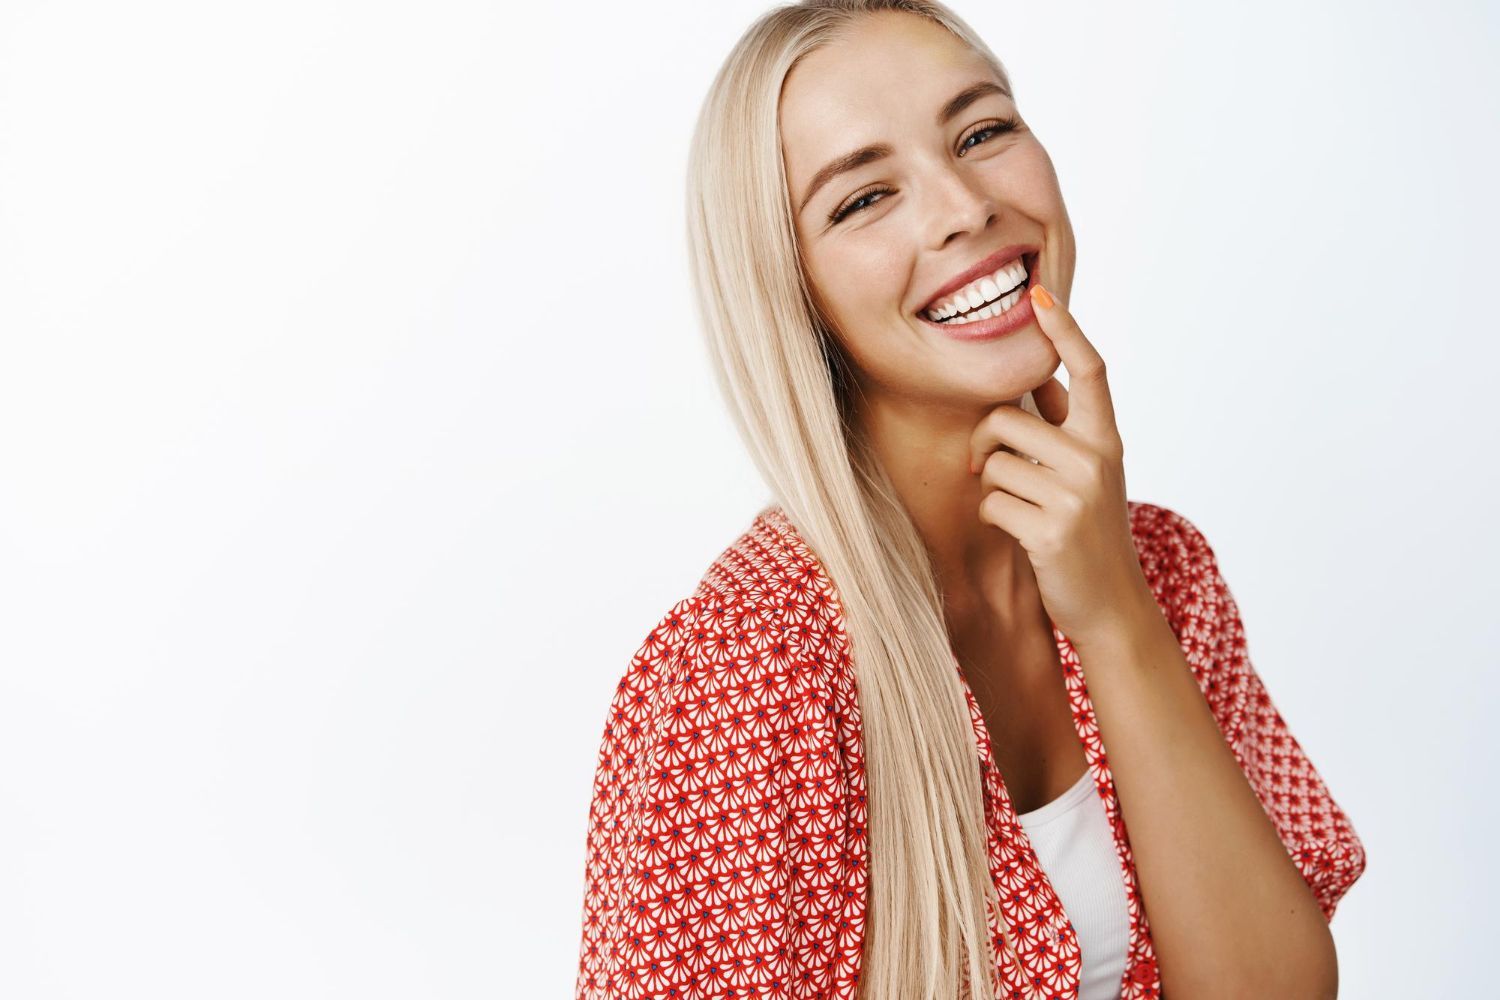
(701, 856)
(1317, 834)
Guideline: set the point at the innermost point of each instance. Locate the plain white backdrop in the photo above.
(355, 428)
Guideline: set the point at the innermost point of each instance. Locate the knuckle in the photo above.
(1099, 463)
(988, 510)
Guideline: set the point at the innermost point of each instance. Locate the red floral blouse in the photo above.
(726, 837)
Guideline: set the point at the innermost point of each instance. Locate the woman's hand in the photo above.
(1068, 511)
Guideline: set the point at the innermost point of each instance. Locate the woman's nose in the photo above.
(956, 206)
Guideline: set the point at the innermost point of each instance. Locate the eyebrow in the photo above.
(880, 150)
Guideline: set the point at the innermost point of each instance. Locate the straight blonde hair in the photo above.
(789, 388)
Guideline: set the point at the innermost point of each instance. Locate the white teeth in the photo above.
(993, 309)
(980, 291)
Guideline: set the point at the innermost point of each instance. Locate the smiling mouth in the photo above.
(1002, 301)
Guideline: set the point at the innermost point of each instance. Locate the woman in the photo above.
(787, 802)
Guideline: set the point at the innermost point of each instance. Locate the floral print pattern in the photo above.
(727, 849)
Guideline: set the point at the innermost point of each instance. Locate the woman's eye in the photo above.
(849, 207)
(997, 128)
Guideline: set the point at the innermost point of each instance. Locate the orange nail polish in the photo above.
(1040, 296)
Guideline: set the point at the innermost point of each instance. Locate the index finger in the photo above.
(1089, 400)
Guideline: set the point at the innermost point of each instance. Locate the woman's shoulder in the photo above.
(771, 570)
(1183, 571)
(1161, 531)
(761, 633)
(1175, 557)
(767, 585)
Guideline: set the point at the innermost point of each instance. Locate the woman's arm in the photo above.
(1241, 852)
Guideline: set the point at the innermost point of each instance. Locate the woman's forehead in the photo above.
(877, 76)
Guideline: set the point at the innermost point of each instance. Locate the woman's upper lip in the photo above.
(988, 265)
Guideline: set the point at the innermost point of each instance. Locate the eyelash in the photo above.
(1000, 127)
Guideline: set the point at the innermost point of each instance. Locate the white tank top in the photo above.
(1073, 841)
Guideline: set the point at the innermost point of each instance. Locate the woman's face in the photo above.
(948, 195)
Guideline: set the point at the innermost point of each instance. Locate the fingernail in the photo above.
(1040, 296)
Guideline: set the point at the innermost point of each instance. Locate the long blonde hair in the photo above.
(788, 385)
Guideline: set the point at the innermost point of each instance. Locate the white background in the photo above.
(355, 429)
